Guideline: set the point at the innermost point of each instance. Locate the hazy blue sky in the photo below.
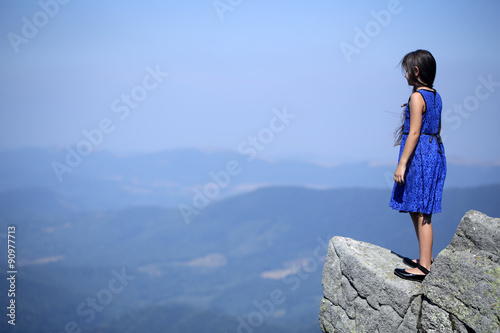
(328, 68)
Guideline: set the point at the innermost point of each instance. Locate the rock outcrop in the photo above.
(461, 294)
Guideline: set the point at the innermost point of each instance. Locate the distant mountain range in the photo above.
(246, 263)
(102, 180)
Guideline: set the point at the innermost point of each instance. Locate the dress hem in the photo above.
(410, 211)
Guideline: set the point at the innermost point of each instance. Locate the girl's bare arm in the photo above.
(417, 106)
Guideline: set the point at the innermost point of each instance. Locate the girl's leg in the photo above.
(414, 218)
(425, 236)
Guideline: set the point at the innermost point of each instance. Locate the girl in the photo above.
(419, 176)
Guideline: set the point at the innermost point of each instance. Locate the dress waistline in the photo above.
(432, 135)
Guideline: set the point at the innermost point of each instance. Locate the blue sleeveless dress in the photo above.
(426, 169)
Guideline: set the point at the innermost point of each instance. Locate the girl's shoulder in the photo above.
(416, 101)
(428, 94)
(425, 93)
(416, 95)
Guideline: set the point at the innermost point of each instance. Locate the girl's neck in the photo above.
(420, 87)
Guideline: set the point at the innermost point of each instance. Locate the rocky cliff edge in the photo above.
(461, 294)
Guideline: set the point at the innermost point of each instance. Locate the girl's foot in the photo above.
(415, 274)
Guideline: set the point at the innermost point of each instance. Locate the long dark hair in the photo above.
(426, 73)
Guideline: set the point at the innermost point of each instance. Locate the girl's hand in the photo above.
(399, 174)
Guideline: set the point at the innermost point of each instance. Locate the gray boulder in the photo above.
(465, 277)
(461, 294)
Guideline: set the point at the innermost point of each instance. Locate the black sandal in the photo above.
(402, 273)
(411, 263)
